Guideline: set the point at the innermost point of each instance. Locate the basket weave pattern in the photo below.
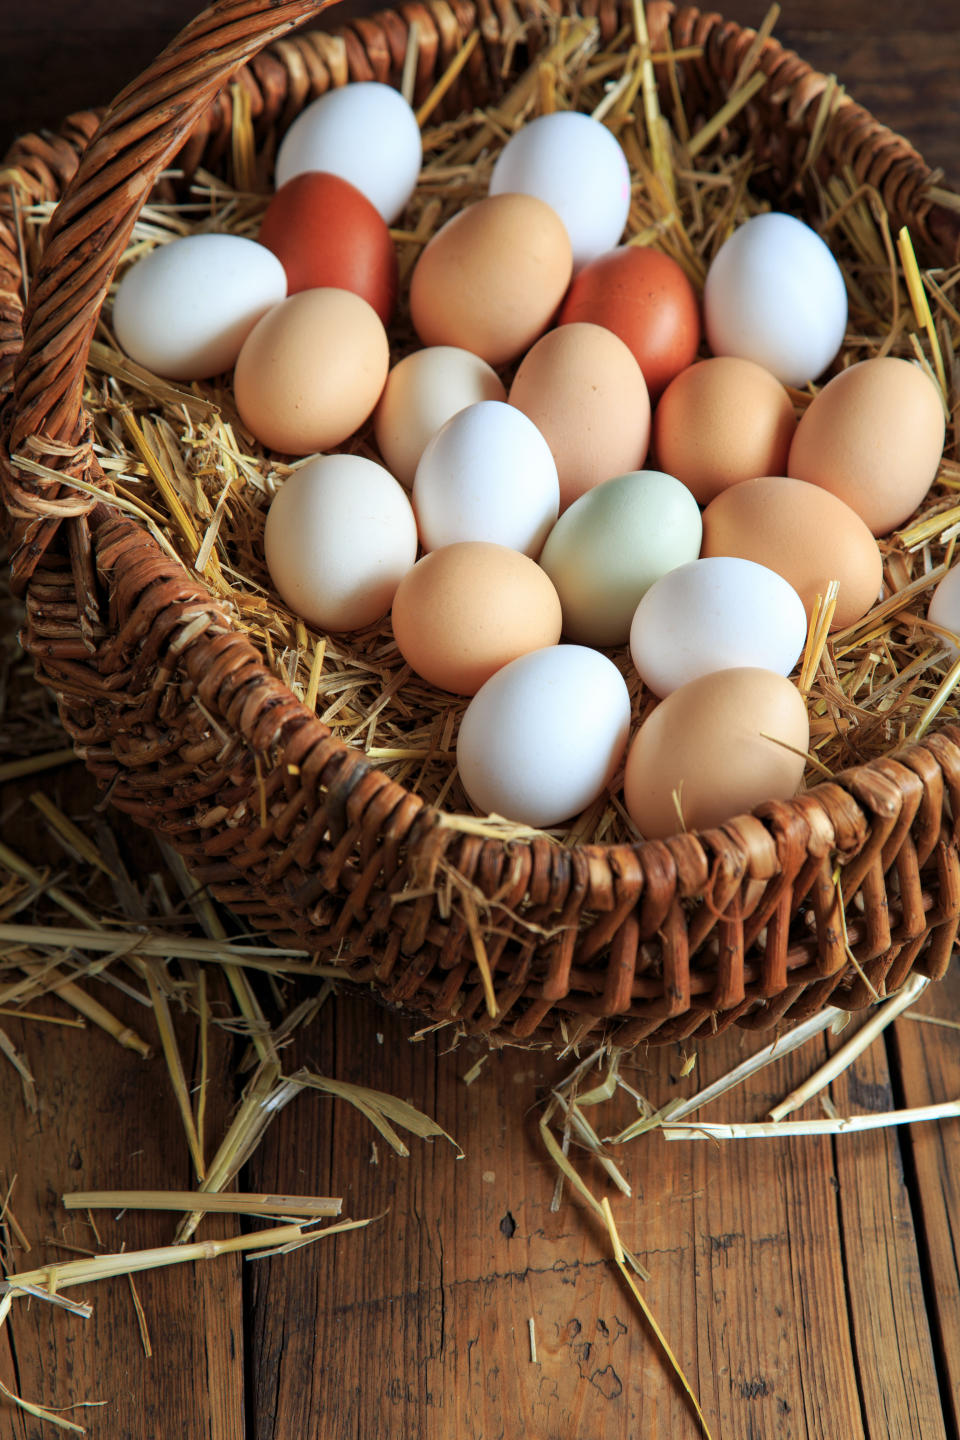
(296, 831)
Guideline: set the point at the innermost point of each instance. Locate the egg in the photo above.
(339, 536)
(491, 278)
(326, 233)
(717, 613)
(944, 607)
(873, 437)
(466, 610)
(804, 533)
(775, 294)
(722, 421)
(311, 371)
(612, 544)
(540, 741)
(184, 310)
(576, 165)
(645, 298)
(716, 748)
(423, 391)
(366, 133)
(487, 474)
(585, 392)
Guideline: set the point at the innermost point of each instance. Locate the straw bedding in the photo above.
(185, 705)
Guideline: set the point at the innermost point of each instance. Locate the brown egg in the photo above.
(585, 392)
(311, 371)
(713, 744)
(804, 533)
(722, 421)
(874, 437)
(491, 279)
(466, 610)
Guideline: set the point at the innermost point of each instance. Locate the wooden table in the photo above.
(809, 1287)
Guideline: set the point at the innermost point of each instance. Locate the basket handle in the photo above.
(85, 240)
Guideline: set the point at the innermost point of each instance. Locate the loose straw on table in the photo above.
(878, 1022)
(190, 1200)
(841, 1125)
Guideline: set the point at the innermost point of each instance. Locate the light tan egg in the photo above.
(492, 278)
(803, 533)
(466, 610)
(873, 437)
(311, 371)
(722, 421)
(585, 392)
(423, 391)
(715, 748)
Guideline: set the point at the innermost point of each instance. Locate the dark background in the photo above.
(901, 60)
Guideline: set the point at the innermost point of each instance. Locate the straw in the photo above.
(177, 460)
(850, 1124)
(305, 1205)
(881, 1017)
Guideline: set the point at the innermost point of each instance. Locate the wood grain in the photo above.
(927, 1068)
(751, 1254)
(898, 1384)
(810, 1288)
(106, 1116)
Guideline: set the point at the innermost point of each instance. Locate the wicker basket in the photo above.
(663, 939)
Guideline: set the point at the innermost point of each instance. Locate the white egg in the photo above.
(576, 165)
(339, 537)
(487, 474)
(719, 613)
(541, 739)
(611, 545)
(423, 391)
(365, 133)
(944, 608)
(184, 310)
(774, 294)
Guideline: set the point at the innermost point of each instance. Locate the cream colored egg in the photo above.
(339, 536)
(311, 371)
(585, 392)
(423, 391)
(715, 748)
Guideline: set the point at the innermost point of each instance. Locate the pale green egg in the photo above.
(612, 543)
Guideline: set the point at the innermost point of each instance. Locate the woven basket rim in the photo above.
(623, 887)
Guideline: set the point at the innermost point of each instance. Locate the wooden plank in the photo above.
(775, 1342)
(427, 1313)
(927, 1059)
(896, 1363)
(107, 1118)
